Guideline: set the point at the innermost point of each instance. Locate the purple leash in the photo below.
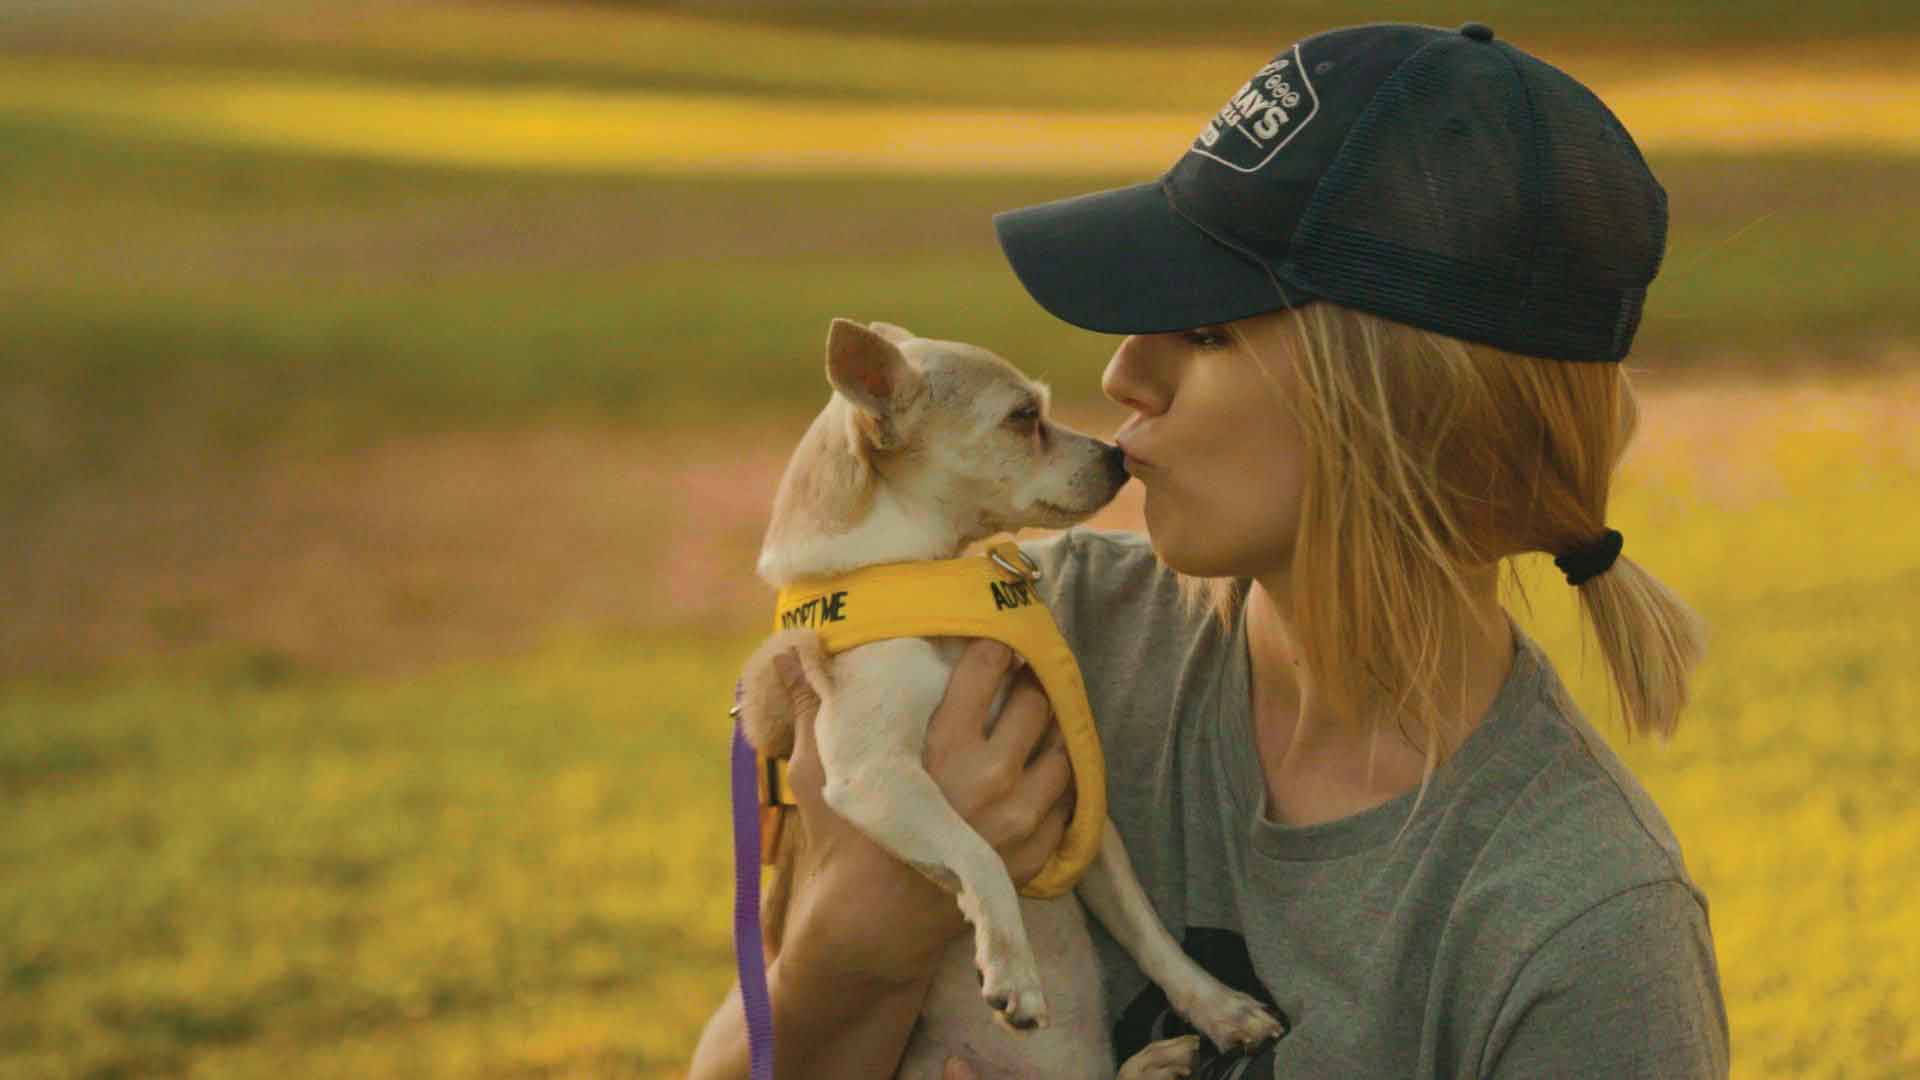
(749, 954)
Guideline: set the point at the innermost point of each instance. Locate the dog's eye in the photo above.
(1025, 416)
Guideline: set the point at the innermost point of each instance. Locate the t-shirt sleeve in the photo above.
(1628, 989)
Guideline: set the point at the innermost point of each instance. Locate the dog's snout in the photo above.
(1116, 460)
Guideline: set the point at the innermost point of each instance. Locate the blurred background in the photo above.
(392, 394)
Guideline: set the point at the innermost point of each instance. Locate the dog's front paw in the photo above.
(1014, 993)
(1232, 1020)
(1164, 1060)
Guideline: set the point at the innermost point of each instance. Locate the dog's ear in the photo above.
(872, 373)
(896, 334)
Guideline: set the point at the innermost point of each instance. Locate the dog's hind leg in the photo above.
(1112, 892)
(871, 739)
(898, 804)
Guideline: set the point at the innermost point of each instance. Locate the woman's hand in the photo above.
(858, 910)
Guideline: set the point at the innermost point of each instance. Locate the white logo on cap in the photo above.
(1261, 116)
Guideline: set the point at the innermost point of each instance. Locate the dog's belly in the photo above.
(957, 1023)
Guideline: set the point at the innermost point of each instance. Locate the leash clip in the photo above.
(1027, 569)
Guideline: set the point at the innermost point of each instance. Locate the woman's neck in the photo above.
(1319, 769)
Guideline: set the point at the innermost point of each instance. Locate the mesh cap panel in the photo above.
(1485, 195)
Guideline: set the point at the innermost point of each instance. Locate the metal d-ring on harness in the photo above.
(1027, 569)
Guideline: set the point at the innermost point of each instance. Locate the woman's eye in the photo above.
(1207, 337)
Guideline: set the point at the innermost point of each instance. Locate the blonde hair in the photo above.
(1430, 459)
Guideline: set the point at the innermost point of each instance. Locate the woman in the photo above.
(1374, 318)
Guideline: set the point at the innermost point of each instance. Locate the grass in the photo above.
(482, 872)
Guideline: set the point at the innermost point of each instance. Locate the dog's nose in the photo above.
(1116, 466)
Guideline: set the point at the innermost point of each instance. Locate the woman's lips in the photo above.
(1135, 463)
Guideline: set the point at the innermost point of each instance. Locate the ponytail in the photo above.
(1651, 640)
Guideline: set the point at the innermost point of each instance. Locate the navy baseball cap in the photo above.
(1438, 178)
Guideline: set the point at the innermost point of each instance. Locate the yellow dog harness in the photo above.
(991, 596)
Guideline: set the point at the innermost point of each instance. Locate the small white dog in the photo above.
(925, 447)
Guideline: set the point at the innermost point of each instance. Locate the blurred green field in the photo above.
(168, 290)
(159, 287)
(255, 396)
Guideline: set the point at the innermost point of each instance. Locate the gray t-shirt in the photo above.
(1533, 920)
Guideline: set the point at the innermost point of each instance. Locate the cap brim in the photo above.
(1124, 262)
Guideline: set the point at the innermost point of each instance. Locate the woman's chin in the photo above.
(1183, 561)
(1199, 552)
(1175, 547)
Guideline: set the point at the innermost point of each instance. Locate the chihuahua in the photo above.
(924, 448)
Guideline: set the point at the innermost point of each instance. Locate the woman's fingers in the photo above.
(1045, 785)
(1013, 787)
(1168, 1057)
(961, 718)
(1025, 719)
(1028, 855)
(803, 770)
(794, 677)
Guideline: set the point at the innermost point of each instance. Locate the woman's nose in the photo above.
(1127, 380)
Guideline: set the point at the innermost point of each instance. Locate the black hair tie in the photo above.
(1584, 564)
